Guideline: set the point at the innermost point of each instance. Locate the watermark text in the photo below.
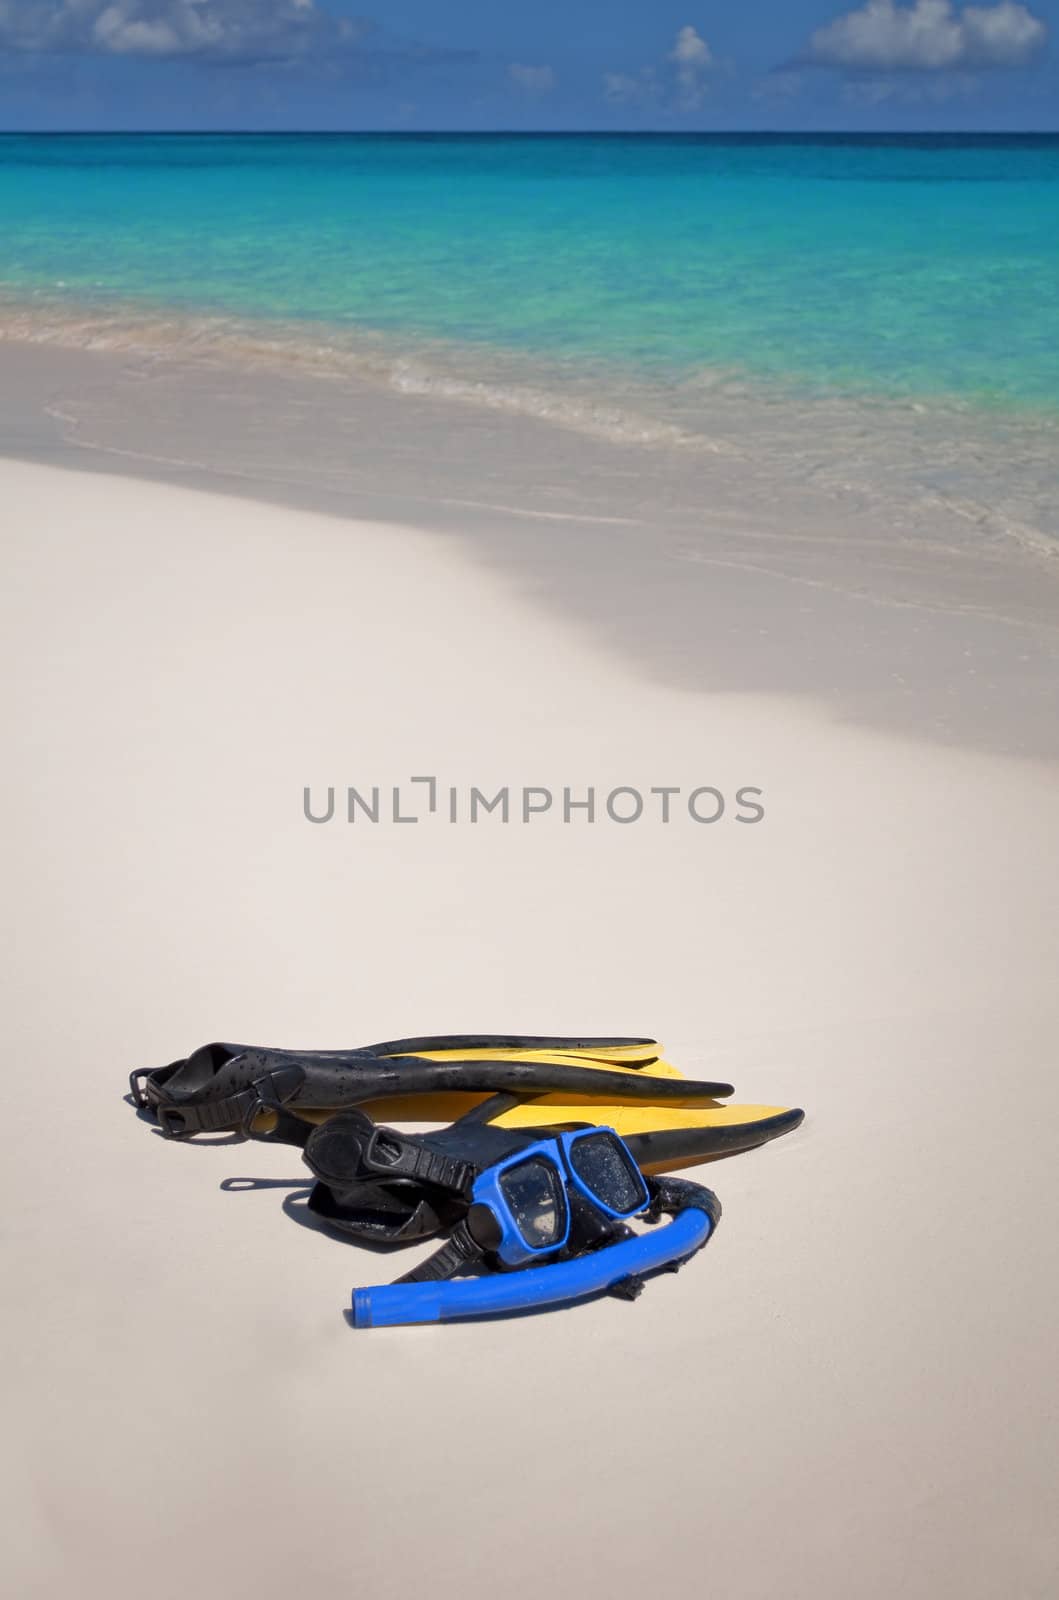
(427, 799)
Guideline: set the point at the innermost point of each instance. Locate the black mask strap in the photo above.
(459, 1252)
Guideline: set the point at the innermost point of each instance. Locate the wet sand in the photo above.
(734, 571)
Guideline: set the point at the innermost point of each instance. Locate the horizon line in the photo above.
(538, 133)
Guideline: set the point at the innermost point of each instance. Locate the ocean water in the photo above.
(881, 307)
(905, 266)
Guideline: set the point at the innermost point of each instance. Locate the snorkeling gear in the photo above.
(378, 1185)
(278, 1094)
(558, 1148)
(567, 1198)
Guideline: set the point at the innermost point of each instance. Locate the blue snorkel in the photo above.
(388, 1305)
(529, 1220)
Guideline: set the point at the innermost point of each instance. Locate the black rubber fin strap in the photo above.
(237, 1112)
(211, 1116)
(136, 1081)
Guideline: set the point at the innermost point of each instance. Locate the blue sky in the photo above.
(609, 64)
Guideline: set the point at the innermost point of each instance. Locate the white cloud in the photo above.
(679, 83)
(690, 50)
(535, 80)
(692, 58)
(230, 30)
(626, 88)
(928, 36)
(1005, 35)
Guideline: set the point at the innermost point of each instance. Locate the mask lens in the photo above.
(608, 1171)
(534, 1192)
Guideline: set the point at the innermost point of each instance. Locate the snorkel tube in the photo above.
(390, 1305)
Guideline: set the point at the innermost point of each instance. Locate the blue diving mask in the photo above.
(521, 1207)
(547, 1225)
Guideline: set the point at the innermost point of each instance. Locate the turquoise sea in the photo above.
(908, 267)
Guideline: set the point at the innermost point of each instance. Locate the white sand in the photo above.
(850, 1394)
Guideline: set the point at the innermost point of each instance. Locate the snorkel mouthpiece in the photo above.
(394, 1304)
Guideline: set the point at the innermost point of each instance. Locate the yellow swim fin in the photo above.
(662, 1138)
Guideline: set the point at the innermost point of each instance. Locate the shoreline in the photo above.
(817, 598)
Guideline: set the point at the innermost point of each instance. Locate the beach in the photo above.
(229, 583)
